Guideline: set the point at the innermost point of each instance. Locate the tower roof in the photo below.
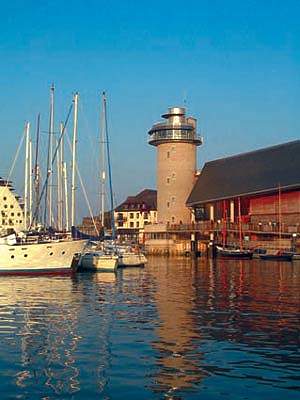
(179, 111)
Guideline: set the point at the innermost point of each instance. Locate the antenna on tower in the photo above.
(185, 98)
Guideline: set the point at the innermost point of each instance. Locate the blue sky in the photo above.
(236, 63)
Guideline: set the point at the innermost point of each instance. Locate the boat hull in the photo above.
(39, 257)
(275, 257)
(132, 260)
(94, 262)
(227, 253)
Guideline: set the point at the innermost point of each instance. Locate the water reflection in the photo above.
(39, 325)
(179, 359)
(177, 329)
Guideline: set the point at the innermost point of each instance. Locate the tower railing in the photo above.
(174, 134)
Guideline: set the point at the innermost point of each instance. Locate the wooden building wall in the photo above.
(266, 208)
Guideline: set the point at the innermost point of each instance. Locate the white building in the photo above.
(134, 213)
(12, 214)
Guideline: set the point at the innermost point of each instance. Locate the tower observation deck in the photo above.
(176, 141)
(177, 128)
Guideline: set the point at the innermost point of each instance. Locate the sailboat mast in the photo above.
(26, 175)
(224, 228)
(59, 179)
(74, 145)
(51, 133)
(30, 182)
(48, 193)
(279, 213)
(61, 172)
(66, 196)
(102, 170)
(240, 223)
(36, 168)
(113, 231)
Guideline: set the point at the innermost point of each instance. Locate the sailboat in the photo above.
(32, 250)
(240, 252)
(103, 258)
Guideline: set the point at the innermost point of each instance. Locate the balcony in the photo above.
(172, 134)
(204, 227)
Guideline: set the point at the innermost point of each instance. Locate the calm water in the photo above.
(177, 329)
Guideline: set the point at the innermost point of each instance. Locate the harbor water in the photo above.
(177, 329)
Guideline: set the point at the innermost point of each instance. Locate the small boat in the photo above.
(233, 253)
(128, 258)
(276, 256)
(98, 261)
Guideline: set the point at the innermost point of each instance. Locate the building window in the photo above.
(131, 215)
(168, 154)
(138, 215)
(173, 199)
(168, 204)
(173, 176)
(12, 214)
(168, 180)
(131, 225)
(5, 205)
(173, 220)
(137, 224)
(120, 224)
(11, 206)
(19, 214)
(4, 198)
(145, 215)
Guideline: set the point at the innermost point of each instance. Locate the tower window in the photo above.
(168, 204)
(173, 199)
(168, 180)
(168, 154)
(173, 219)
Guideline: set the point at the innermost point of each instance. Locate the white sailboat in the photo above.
(103, 259)
(33, 251)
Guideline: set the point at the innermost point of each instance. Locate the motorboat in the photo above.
(128, 257)
(98, 261)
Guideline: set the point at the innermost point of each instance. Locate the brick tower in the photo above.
(176, 140)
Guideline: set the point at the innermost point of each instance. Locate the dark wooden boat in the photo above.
(233, 253)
